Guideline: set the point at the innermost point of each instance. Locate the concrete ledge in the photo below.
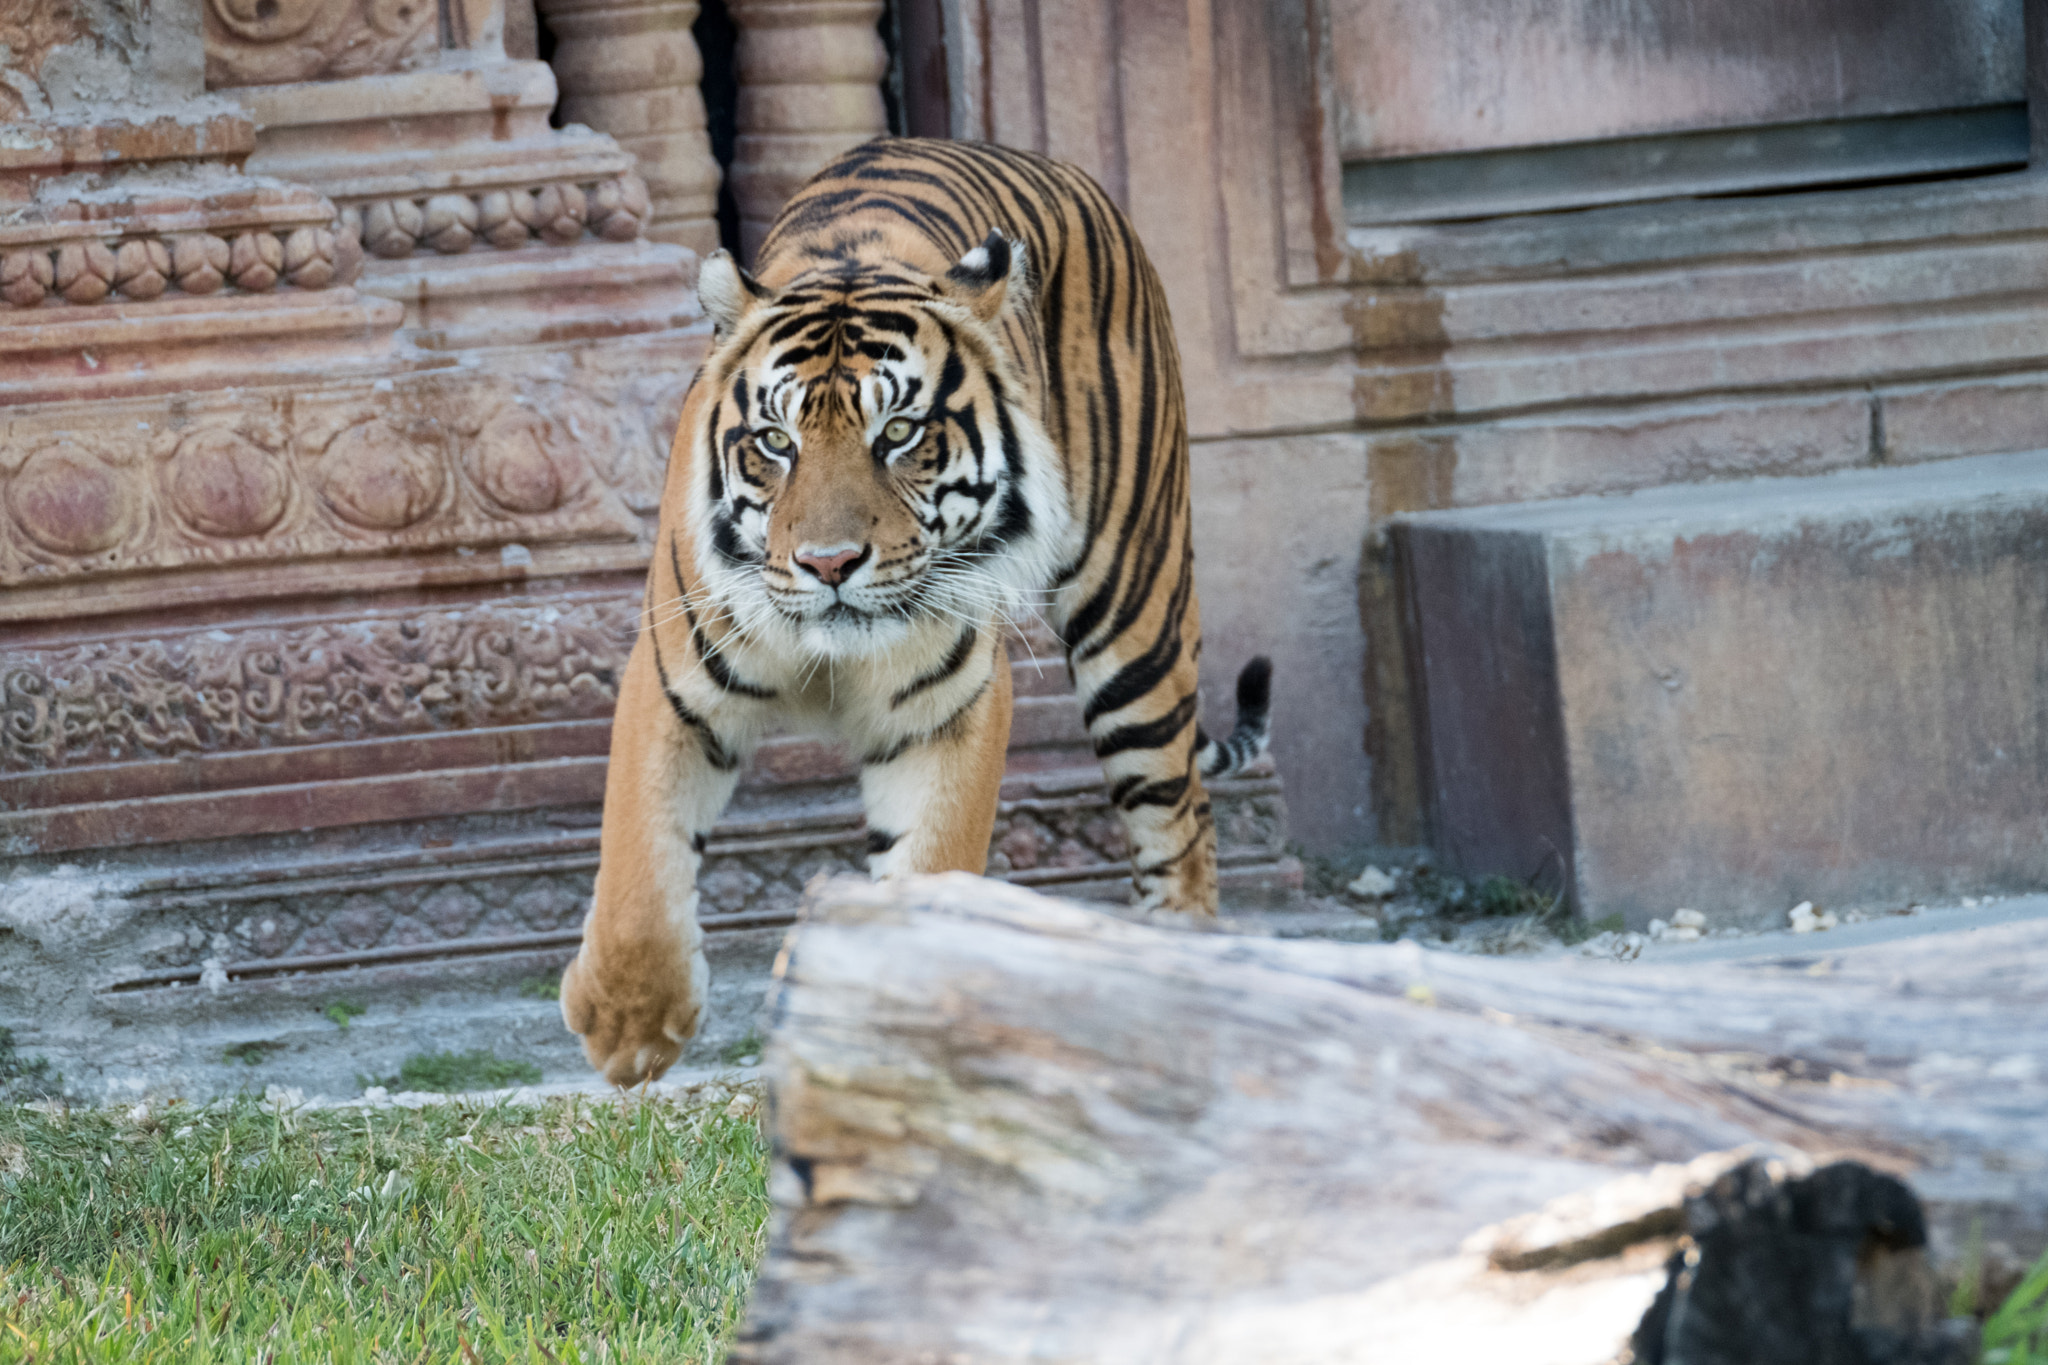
(1738, 696)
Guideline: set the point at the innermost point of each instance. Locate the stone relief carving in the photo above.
(420, 464)
(29, 29)
(271, 42)
(614, 210)
(260, 687)
(140, 268)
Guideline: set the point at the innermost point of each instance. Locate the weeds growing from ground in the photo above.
(741, 1051)
(452, 1072)
(341, 1012)
(571, 1231)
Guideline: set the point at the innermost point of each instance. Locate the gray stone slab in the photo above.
(1735, 697)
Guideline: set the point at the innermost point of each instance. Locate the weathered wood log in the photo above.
(1012, 1129)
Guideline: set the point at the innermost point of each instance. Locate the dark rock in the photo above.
(1826, 1270)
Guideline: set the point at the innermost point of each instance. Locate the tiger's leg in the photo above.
(931, 802)
(1138, 698)
(635, 989)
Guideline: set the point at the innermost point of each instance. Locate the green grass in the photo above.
(2017, 1334)
(573, 1231)
(541, 988)
(451, 1072)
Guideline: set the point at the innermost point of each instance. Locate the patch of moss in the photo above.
(450, 1072)
(541, 988)
(251, 1052)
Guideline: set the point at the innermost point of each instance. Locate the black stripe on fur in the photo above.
(715, 752)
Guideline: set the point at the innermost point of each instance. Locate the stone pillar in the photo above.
(631, 68)
(810, 88)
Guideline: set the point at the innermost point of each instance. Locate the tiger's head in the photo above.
(872, 456)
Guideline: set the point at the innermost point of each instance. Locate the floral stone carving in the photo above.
(29, 31)
(223, 484)
(70, 502)
(271, 42)
(419, 462)
(210, 691)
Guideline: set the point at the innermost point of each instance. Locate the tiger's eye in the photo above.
(775, 440)
(898, 431)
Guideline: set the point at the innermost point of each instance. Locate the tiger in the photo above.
(948, 392)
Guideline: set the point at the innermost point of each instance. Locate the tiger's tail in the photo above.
(1247, 742)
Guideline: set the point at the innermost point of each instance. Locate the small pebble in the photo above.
(1372, 885)
(1624, 947)
(1688, 919)
(1969, 902)
(1682, 933)
(741, 1106)
(1806, 920)
(1658, 929)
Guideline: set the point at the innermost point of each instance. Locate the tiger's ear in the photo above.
(992, 273)
(727, 292)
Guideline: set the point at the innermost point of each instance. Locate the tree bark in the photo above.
(1011, 1129)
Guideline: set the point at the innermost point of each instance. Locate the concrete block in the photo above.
(1735, 697)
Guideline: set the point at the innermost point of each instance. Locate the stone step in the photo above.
(525, 893)
(1735, 697)
(444, 940)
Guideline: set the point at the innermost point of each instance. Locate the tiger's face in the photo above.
(872, 459)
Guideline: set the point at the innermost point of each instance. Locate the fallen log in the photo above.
(1008, 1128)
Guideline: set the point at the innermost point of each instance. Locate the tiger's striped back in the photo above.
(1106, 372)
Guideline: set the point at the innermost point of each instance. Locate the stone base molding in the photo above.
(614, 210)
(196, 247)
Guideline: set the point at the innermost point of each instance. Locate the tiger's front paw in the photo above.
(634, 1021)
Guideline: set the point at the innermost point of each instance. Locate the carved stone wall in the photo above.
(260, 490)
(335, 404)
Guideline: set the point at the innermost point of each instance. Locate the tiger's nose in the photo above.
(832, 564)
